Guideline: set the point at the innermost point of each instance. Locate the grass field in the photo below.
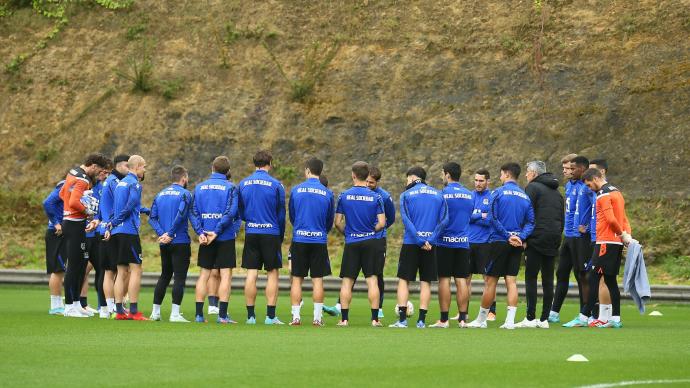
(40, 349)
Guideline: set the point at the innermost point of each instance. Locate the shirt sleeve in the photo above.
(182, 214)
(75, 196)
(409, 225)
(195, 216)
(281, 210)
(133, 200)
(495, 223)
(442, 221)
(153, 219)
(229, 213)
(331, 213)
(528, 225)
(609, 215)
(390, 212)
(50, 204)
(291, 207)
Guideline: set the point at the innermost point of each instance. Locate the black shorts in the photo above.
(583, 250)
(504, 259)
(93, 250)
(608, 258)
(108, 254)
(217, 255)
(128, 248)
(361, 255)
(380, 256)
(453, 262)
(308, 258)
(55, 252)
(479, 257)
(262, 251)
(413, 259)
(176, 257)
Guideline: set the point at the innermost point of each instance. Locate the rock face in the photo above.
(418, 83)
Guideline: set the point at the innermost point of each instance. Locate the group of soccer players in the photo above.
(449, 233)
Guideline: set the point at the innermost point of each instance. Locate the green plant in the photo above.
(139, 70)
(115, 4)
(13, 66)
(511, 45)
(286, 174)
(46, 154)
(170, 88)
(134, 32)
(316, 61)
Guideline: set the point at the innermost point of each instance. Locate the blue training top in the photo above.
(571, 190)
(311, 212)
(424, 213)
(583, 209)
(105, 205)
(215, 207)
(480, 227)
(460, 208)
(511, 213)
(170, 211)
(126, 206)
(389, 210)
(262, 204)
(361, 207)
(52, 206)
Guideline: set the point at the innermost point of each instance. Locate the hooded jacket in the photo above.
(548, 204)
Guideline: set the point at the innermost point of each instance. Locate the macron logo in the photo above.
(259, 226)
(309, 233)
(455, 239)
(211, 216)
(424, 234)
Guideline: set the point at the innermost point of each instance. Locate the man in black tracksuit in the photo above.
(543, 243)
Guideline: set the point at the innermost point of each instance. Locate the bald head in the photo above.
(137, 166)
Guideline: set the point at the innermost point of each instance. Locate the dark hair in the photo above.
(120, 158)
(601, 163)
(591, 173)
(98, 159)
(178, 172)
(453, 169)
(221, 165)
(580, 161)
(262, 158)
(314, 165)
(375, 173)
(323, 180)
(512, 168)
(361, 170)
(417, 171)
(483, 171)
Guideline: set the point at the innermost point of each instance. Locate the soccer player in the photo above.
(359, 216)
(215, 208)
(93, 239)
(311, 211)
(512, 222)
(262, 208)
(108, 253)
(453, 250)
(613, 231)
(123, 228)
(479, 231)
(568, 251)
(543, 243)
(425, 214)
(604, 298)
(389, 210)
(55, 249)
(74, 226)
(170, 213)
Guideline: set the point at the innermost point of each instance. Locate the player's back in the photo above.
(360, 206)
(460, 207)
(311, 211)
(127, 192)
(262, 200)
(211, 199)
(422, 205)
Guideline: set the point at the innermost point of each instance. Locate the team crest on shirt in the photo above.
(485, 201)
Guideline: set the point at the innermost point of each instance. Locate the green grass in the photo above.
(38, 349)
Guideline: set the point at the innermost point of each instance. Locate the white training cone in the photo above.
(655, 313)
(577, 358)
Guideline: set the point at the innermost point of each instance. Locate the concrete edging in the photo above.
(149, 279)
